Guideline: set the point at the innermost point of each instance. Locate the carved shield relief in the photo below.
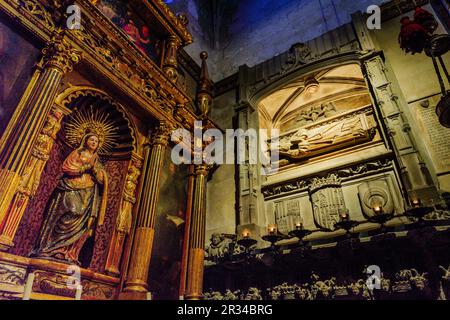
(327, 200)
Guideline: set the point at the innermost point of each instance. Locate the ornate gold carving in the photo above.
(31, 176)
(204, 98)
(41, 151)
(56, 284)
(92, 121)
(178, 22)
(202, 169)
(162, 133)
(34, 9)
(170, 60)
(60, 54)
(124, 218)
(11, 274)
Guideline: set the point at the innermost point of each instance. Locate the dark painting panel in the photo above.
(164, 273)
(17, 58)
(138, 31)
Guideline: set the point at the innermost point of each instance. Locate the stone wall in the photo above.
(256, 30)
(419, 86)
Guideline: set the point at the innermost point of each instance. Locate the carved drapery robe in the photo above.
(74, 207)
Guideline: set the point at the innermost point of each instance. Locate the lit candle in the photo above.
(28, 287)
(272, 229)
(246, 234)
(299, 226)
(416, 203)
(149, 296)
(378, 209)
(344, 215)
(78, 292)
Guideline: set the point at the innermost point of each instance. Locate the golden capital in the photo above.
(202, 169)
(161, 134)
(60, 54)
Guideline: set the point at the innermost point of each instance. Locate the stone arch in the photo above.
(275, 101)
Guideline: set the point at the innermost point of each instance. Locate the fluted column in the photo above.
(136, 284)
(31, 177)
(17, 144)
(187, 228)
(196, 252)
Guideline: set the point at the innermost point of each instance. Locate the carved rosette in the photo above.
(60, 54)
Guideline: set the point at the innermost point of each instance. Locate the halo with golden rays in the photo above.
(91, 120)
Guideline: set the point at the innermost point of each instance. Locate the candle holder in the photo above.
(246, 241)
(300, 233)
(380, 217)
(346, 225)
(418, 212)
(273, 238)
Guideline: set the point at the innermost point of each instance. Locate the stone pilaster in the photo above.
(415, 175)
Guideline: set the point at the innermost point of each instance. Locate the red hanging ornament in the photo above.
(413, 36)
(426, 20)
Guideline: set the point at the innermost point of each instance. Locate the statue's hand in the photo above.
(85, 167)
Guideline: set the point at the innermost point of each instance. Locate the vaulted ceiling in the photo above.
(342, 83)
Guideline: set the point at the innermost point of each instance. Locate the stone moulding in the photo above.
(351, 172)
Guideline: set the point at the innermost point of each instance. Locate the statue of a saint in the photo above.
(77, 205)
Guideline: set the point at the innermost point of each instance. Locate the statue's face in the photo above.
(92, 143)
(215, 239)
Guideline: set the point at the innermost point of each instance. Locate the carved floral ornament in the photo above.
(60, 54)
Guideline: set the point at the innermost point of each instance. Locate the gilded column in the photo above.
(125, 217)
(170, 66)
(31, 177)
(17, 146)
(196, 252)
(136, 284)
(187, 228)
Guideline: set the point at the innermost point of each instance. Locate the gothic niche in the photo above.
(327, 200)
(375, 194)
(83, 182)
